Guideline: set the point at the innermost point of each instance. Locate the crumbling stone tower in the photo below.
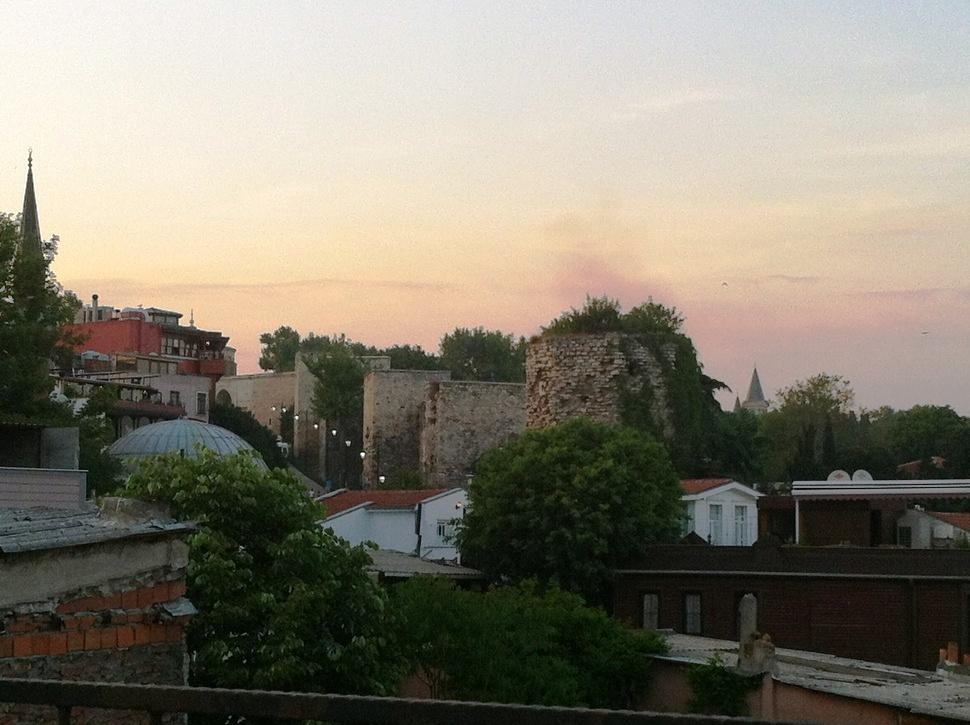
(612, 377)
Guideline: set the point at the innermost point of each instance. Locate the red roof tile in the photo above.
(960, 520)
(694, 486)
(403, 499)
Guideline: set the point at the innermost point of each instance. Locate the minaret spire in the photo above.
(30, 239)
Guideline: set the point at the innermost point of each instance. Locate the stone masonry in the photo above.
(393, 412)
(571, 376)
(462, 420)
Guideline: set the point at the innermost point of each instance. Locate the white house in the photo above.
(420, 521)
(721, 511)
(918, 529)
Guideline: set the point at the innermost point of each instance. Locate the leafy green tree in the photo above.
(598, 314)
(803, 431)
(480, 354)
(95, 434)
(515, 644)
(33, 312)
(925, 431)
(245, 425)
(282, 603)
(411, 357)
(569, 503)
(279, 349)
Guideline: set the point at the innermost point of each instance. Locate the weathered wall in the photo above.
(393, 409)
(259, 393)
(461, 421)
(571, 376)
(133, 635)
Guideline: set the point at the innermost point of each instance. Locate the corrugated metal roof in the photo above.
(40, 529)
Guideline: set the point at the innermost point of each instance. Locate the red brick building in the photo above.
(152, 331)
(895, 606)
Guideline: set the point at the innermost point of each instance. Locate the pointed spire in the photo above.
(755, 394)
(30, 239)
(737, 404)
(755, 399)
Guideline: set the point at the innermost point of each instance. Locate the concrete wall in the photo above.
(188, 388)
(929, 532)
(259, 393)
(461, 421)
(113, 612)
(447, 509)
(393, 410)
(570, 376)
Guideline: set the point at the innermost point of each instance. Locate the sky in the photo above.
(792, 176)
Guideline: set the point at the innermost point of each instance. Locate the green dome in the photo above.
(173, 436)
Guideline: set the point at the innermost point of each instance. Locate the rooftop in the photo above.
(925, 693)
(43, 529)
(694, 486)
(344, 499)
(958, 519)
(399, 565)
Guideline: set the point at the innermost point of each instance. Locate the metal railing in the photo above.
(159, 700)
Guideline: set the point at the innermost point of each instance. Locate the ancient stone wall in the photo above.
(571, 376)
(464, 419)
(259, 394)
(393, 410)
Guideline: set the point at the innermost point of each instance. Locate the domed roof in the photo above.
(171, 436)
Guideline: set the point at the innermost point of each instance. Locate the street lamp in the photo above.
(381, 479)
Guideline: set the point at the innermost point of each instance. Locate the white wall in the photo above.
(448, 507)
(926, 530)
(394, 529)
(729, 499)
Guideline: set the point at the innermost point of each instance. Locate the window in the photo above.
(688, 522)
(200, 403)
(651, 610)
(715, 537)
(740, 525)
(174, 398)
(171, 346)
(906, 536)
(692, 614)
(446, 529)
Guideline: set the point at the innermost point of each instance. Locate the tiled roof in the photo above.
(959, 520)
(404, 499)
(694, 486)
(39, 529)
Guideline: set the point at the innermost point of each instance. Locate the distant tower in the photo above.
(755, 400)
(737, 404)
(30, 239)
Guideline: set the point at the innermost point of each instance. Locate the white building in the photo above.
(720, 511)
(420, 521)
(918, 529)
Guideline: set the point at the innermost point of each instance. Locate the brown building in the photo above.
(895, 606)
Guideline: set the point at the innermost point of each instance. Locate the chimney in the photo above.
(94, 308)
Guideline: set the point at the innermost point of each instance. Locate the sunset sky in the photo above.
(394, 170)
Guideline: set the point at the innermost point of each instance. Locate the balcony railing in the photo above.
(158, 700)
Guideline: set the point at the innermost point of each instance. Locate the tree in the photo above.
(33, 312)
(279, 349)
(925, 431)
(480, 354)
(810, 427)
(515, 644)
(411, 357)
(282, 603)
(569, 503)
(95, 434)
(245, 425)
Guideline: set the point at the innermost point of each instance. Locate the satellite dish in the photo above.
(839, 475)
(861, 475)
